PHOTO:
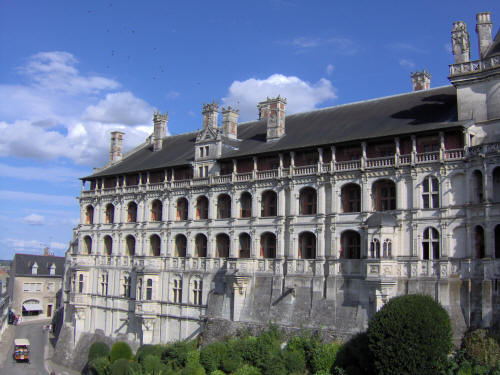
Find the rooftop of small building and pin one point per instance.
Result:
(407, 113)
(23, 263)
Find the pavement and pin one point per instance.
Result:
(40, 353)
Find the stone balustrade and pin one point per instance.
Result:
(339, 166)
(474, 66)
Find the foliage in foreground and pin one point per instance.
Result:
(410, 335)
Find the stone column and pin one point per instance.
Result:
(366, 201)
(255, 245)
(211, 206)
(280, 243)
(320, 246)
(281, 201)
(233, 245)
(321, 198)
(239, 286)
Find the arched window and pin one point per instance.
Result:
(180, 245)
(108, 245)
(126, 286)
(477, 187)
(246, 204)
(156, 210)
(307, 245)
(202, 208)
(479, 242)
(223, 206)
(130, 246)
(149, 290)
(384, 195)
(497, 241)
(307, 201)
(155, 245)
(222, 243)
(132, 212)
(268, 245)
(244, 245)
(387, 248)
(139, 289)
(200, 246)
(182, 209)
(87, 245)
(351, 198)
(80, 283)
(269, 203)
(430, 244)
(89, 215)
(350, 241)
(197, 290)
(375, 248)
(496, 184)
(430, 192)
(177, 289)
(110, 214)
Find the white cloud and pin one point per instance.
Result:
(120, 108)
(34, 219)
(173, 94)
(59, 200)
(407, 63)
(343, 46)
(300, 95)
(32, 246)
(329, 69)
(69, 115)
(56, 71)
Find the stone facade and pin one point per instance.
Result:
(320, 235)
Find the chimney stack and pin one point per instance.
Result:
(159, 129)
(421, 80)
(273, 109)
(230, 122)
(210, 114)
(116, 146)
(483, 29)
(460, 42)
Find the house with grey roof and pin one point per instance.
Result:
(309, 220)
(35, 285)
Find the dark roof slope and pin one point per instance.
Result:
(22, 263)
(494, 48)
(400, 114)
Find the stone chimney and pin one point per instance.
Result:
(210, 114)
(483, 29)
(116, 152)
(273, 109)
(159, 129)
(460, 42)
(230, 122)
(421, 80)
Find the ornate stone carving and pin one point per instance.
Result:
(460, 42)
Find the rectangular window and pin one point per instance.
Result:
(200, 171)
(197, 292)
(38, 287)
(177, 289)
(26, 287)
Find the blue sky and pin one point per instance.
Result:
(72, 71)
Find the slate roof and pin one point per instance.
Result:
(381, 219)
(407, 113)
(494, 48)
(21, 265)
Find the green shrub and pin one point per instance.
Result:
(247, 370)
(355, 357)
(410, 335)
(98, 349)
(247, 348)
(120, 350)
(322, 372)
(145, 350)
(175, 354)
(267, 354)
(295, 361)
(217, 372)
(193, 366)
(324, 356)
(99, 366)
(152, 364)
(211, 356)
(121, 366)
(480, 347)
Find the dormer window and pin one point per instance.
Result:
(52, 269)
(34, 269)
(201, 152)
(206, 150)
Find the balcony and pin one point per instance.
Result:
(475, 66)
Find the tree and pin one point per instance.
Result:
(410, 335)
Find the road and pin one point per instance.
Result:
(38, 338)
